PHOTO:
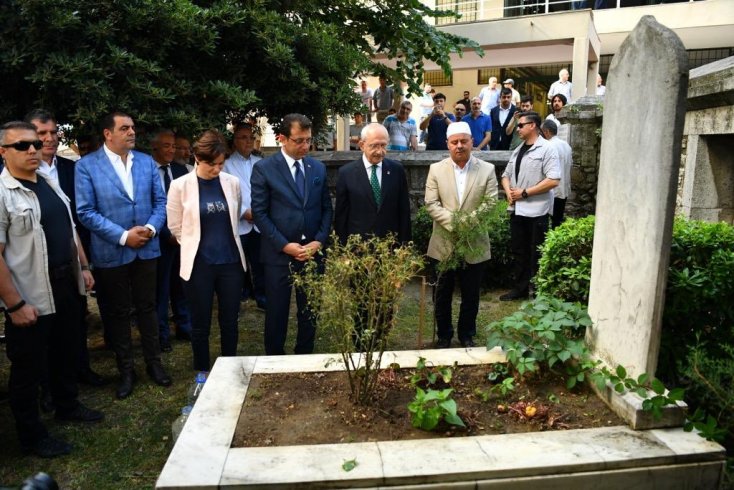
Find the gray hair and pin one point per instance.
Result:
(373, 127)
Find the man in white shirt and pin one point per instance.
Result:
(600, 89)
(565, 159)
(366, 93)
(490, 95)
(240, 165)
(561, 86)
(460, 183)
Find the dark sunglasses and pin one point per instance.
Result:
(24, 145)
(522, 125)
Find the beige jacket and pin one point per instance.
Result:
(184, 221)
(442, 200)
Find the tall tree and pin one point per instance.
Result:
(194, 64)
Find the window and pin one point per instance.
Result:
(437, 78)
(467, 9)
(484, 74)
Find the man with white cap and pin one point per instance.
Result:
(510, 83)
(458, 183)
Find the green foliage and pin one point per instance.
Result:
(191, 65)
(565, 264)
(542, 333)
(467, 229)
(430, 407)
(422, 228)
(355, 300)
(497, 273)
(426, 375)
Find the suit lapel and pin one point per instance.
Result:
(104, 165)
(285, 172)
(450, 181)
(140, 189)
(363, 181)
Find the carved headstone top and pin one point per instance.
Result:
(644, 110)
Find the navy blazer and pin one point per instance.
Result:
(280, 214)
(65, 169)
(357, 212)
(104, 207)
(500, 139)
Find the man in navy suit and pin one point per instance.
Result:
(119, 198)
(292, 209)
(168, 281)
(372, 192)
(501, 115)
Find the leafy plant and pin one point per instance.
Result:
(427, 375)
(431, 406)
(355, 300)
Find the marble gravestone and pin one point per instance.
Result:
(644, 113)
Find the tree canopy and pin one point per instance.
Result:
(193, 64)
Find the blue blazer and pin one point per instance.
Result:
(105, 209)
(280, 214)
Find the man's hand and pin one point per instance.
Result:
(24, 317)
(88, 280)
(138, 236)
(515, 194)
(311, 249)
(248, 215)
(295, 250)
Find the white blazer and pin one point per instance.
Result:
(184, 219)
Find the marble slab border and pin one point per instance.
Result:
(203, 459)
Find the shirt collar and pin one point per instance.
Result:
(288, 159)
(114, 157)
(459, 169)
(368, 164)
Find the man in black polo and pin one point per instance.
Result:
(42, 276)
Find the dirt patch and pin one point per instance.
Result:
(314, 408)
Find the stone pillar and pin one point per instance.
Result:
(584, 118)
(640, 157)
(342, 133)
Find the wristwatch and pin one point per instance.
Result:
(524, 193)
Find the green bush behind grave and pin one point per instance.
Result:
(499, 268)
(699, 296)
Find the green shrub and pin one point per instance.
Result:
(498, 270)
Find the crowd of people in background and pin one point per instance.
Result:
(177, 227)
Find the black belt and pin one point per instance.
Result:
(59, 272)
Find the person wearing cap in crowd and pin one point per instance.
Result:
(461, 182)
(510, 83)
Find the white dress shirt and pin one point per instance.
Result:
(50, 171)
(460, 178)
(241, 167)
(368, 168)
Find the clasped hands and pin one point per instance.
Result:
(300, 252)
(138, 236)
(514, 195)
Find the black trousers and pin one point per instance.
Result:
(527, 235)
(470, 282)
(559, 210)
(251, 246)
(124, 287)
(49, 346)
(170, 289)
(226, 281)
(278, 286)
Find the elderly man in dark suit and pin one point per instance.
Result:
(372, 192)
(292, 209)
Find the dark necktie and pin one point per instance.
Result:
(300, 180)
(376, 191)
(166, 177)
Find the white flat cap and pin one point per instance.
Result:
(458, 128)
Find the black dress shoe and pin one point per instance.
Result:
(125, 388)
(443, 343)
(513, 295)
(467, 343)
(183, 335)
(80, 414)
(48, 447)
(89, 377)
(166, 346)
(157, 374)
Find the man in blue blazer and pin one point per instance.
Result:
(368, 208)
(500, 139)
(120, 200)
(292, 209)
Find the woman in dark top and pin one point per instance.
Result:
(203, 214)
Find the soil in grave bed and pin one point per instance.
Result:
(315, 408)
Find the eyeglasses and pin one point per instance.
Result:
(24, 145)
(300, 141)
(377, 146)
(522, 125)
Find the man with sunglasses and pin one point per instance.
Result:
(42, 277)
(528, 180)
(292, 209)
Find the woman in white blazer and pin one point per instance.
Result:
(203, 214)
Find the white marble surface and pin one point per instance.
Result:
(203, 459)
(638, 177)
